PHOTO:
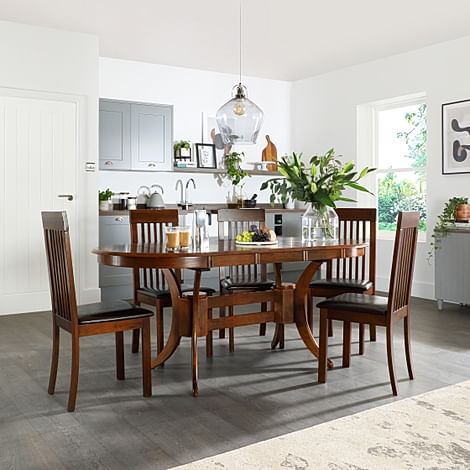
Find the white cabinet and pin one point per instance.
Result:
(452, 268)
(135, 136)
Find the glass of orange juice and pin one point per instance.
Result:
(172, 238)
(185, 237)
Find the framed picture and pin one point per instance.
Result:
(205, 154)
(456, 137)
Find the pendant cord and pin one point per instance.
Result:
(240, 29)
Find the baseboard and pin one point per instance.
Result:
(423, 290)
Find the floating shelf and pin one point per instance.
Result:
(222, 170)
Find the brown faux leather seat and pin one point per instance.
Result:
(356, 303)
(227, 285)
(165, 294)
(110, 311)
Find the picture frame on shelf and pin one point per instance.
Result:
(456, 137)
(206, 157)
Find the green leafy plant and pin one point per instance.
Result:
(105, 195)
(181, 144)
(232, 163)
(445, 221)
(320, 183)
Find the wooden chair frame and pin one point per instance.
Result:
(65, 312)
(397, 308)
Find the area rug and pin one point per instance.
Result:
(429, 431)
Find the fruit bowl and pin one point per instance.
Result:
(256, 236)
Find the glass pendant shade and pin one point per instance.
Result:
(239, 120)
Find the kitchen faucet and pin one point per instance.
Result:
(186, 193)
(182, 201)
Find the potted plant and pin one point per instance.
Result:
(104, 197)
(236, 174)
(320, 184)
(446, 220)
(182, 149)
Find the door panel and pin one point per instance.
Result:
(115, 144)
(38, 155)
(151, 137)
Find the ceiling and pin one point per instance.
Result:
(287, 40)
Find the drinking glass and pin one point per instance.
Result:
(172, 238)
(185, 237)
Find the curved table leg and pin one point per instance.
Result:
(195, 316)
(174, 337)
(300, 309)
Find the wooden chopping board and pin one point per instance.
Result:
(270, 155)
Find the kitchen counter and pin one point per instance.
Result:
(212, 208)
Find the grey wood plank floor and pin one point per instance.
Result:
(246, 397)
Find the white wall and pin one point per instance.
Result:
(324, 115)
(34, 58)
(193, 92)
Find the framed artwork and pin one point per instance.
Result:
(205, 154)
(456, 137)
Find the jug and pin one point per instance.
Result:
(156, 199)
(202, 220)
(143, 194)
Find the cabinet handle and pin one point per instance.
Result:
(108, 162)
(119, 219)
(151, 164)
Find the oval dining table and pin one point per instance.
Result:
(191, 312)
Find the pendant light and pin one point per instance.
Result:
(239, 119)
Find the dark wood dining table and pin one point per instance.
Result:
(192, 312)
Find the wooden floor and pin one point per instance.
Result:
(245, 397)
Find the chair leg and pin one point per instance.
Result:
(409, 362)
(74, 372)
(146, 359)
(160, 327)
(322, 361)
(262, 326)
(330, 328)
(310, 312)
(346, 343)
(135, 341)
(372, 333)
(209, 338)
(231, 333)
(361, 338)
(391, 370)
(222, 330)
(55, 359)
(120, 374)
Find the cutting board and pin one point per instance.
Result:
(270, 155)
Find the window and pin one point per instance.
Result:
(400, 156)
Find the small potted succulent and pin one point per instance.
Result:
(320, 184)
(236, 174)
(182, 149)
(104, 198)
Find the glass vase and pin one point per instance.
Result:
(319, 224)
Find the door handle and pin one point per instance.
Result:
(69, 197)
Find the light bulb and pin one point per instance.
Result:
(239, 108)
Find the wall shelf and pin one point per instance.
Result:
(203, 171)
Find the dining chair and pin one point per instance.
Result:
(353, 275)
(374, 310)
(150, 288)
(86, 320)
(241, 277)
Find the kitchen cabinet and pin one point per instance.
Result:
(452, 268)
(135, 136)
(115, 283)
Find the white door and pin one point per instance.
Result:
(38, 164)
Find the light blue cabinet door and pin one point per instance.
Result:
(114, 135)
(151, 137)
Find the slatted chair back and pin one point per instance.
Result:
(148, 226)
(356, 225)
(60, 267)
(232, 222)
(404, 253)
